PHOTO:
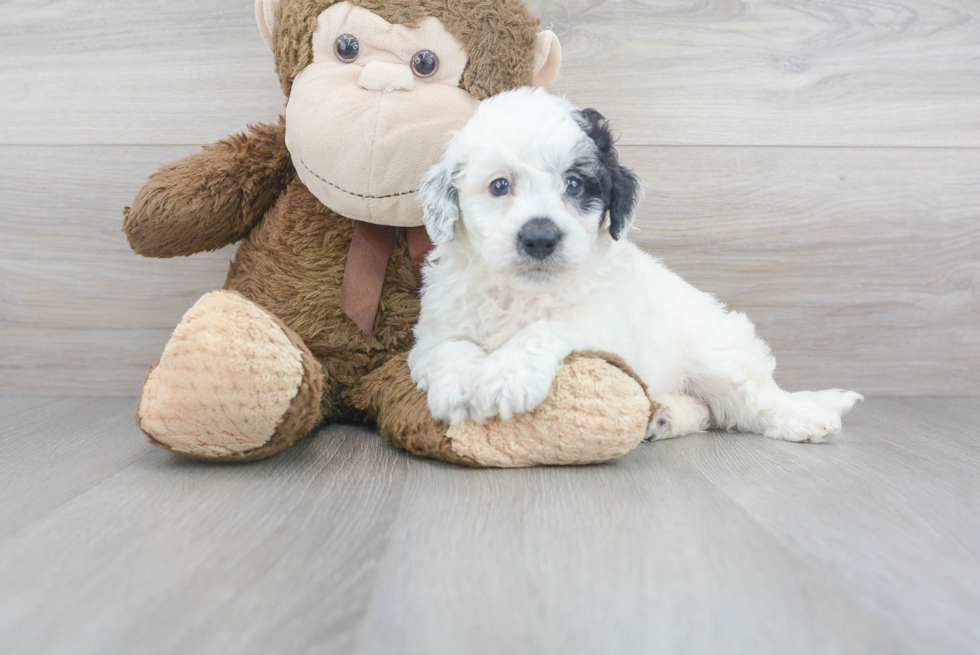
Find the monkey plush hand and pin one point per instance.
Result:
(316, 316)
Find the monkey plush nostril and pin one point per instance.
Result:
(382, 76)
(539, 238)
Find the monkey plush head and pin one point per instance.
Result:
(374, 86)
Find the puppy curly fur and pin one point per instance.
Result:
(527, 269)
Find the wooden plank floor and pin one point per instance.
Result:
(715, 543)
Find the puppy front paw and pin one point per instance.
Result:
(449, 395)
(445, 373)
(510, 383)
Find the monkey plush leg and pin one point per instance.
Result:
(233, 384)
(597, 410)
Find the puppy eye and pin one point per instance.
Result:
(425, 63)
(573, 187)
(348, 48)
(500, 187)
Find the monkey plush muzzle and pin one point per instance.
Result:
(364, 123)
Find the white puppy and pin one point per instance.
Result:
(528, 209)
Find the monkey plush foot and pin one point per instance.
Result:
(597, 410)
(233, 384)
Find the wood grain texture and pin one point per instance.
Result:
(640, 557)
(762, 72)
(904, 478)
(705, 544)
(169, 555)
(114, 72)
(79, 312)
(722, 72)
(60, 451)
(65, 261)
(861, 267)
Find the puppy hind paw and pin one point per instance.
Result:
(842, 401)
(678, 415)
(813, 424)
(836, 399)
(660, 425)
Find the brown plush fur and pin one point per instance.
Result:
(293, 263)
(213, 198)
(402, 415)
(497, 35)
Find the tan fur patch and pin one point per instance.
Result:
(596, 412)
(225, 381)
(292, 264)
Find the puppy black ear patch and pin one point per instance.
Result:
(622, 205)
(440, 204)
(623, 184)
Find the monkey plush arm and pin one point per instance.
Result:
(213, 198)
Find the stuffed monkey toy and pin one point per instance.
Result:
(315, 319)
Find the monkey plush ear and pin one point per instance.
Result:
(265, 16)
(547, 59)
(440, 204)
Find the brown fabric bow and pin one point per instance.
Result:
(367, 260)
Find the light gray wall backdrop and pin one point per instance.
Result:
(815, 164)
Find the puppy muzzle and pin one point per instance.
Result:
(539, 238)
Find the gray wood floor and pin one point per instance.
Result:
(715, 543)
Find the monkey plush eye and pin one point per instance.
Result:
(425, 63)
(348, 48)
(500, 187)
(573, 186)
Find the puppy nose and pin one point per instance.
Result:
(382, 76)
(539, 237)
